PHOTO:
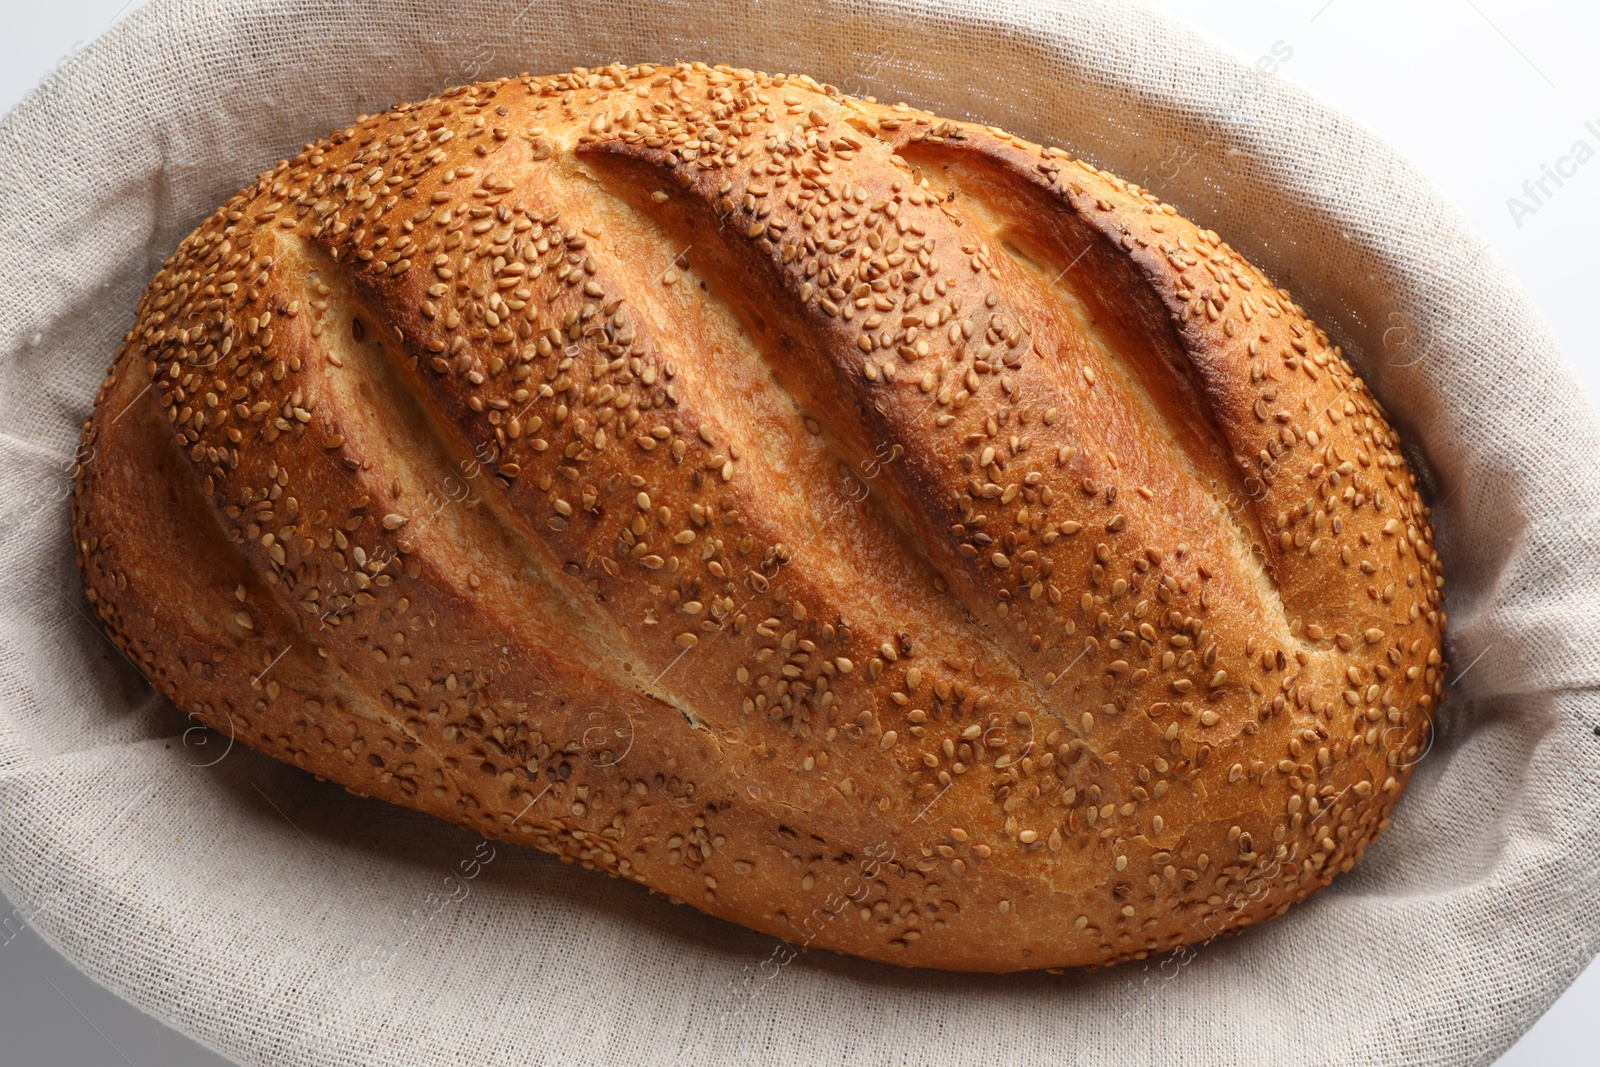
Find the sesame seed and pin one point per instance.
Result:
(534, 347)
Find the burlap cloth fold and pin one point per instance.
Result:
(282, 921)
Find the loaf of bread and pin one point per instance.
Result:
(870, 528)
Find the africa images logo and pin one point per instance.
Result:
(1537, 191)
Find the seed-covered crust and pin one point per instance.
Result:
(873, 529)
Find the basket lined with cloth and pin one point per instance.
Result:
(281, 921)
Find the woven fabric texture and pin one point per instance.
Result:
(282, 921)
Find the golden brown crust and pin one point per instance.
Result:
(873, 529)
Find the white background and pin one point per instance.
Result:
(1483, 95)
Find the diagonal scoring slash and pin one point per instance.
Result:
(1062, 273)
(720, 631)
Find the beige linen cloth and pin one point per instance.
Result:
(283, 921)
